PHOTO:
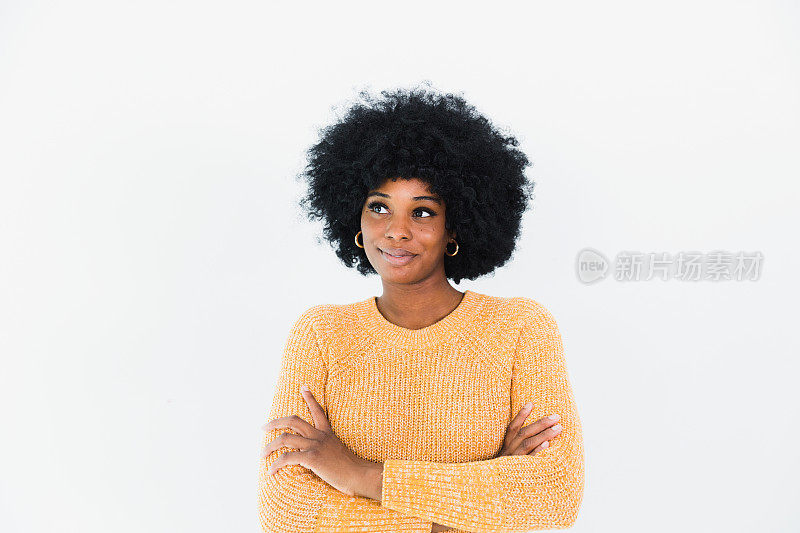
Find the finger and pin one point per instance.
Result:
(288, 458)
(294, 422)
(317, 412)
(536, 440)
(532, 430)
(518, 420)
(554, 431)
(540, 447)
(289, 440)
(538, 426)
(526, 446)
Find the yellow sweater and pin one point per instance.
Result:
(433, 405)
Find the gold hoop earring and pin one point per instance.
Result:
(454, 253)
(362, 240)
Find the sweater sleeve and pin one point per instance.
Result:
(508, 493)
(295, 499)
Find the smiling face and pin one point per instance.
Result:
(404, 218)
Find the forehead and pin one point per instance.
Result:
(404, 187)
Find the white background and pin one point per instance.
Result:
(154, 257)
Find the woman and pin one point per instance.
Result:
(427, 409)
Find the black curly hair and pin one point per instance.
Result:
(438, 138)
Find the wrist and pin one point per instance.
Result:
(371, 485)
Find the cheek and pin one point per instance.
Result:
(432, 235)
(368, 224)
(433, 242)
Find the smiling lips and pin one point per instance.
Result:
(400, 257)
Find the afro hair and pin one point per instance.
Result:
(443, 141)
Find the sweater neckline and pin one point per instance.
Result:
(380, 327)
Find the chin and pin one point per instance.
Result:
(399, 276)
(396, 277)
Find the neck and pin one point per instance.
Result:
(419, 305)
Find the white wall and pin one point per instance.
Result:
(153, 257)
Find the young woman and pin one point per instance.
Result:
(426, 409)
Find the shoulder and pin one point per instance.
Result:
(507, 317)
(529, 313)
(520, 308)
(310, 319)
(327, 319)
(313, 313)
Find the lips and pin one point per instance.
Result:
(397, 252)
(399, 260)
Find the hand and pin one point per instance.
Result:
(436, 528)
(532, 438)
(320, 449)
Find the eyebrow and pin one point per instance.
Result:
(432, 198)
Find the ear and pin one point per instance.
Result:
(450, 232)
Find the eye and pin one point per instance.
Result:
(374, 205)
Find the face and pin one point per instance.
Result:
(403, 217)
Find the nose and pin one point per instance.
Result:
(397, 229)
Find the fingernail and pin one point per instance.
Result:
(556, 428)
(528, 405)
(554, 417)
(303, 388)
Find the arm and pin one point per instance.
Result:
(508, 493)
(295, 499)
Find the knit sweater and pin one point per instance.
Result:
(433, 406)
